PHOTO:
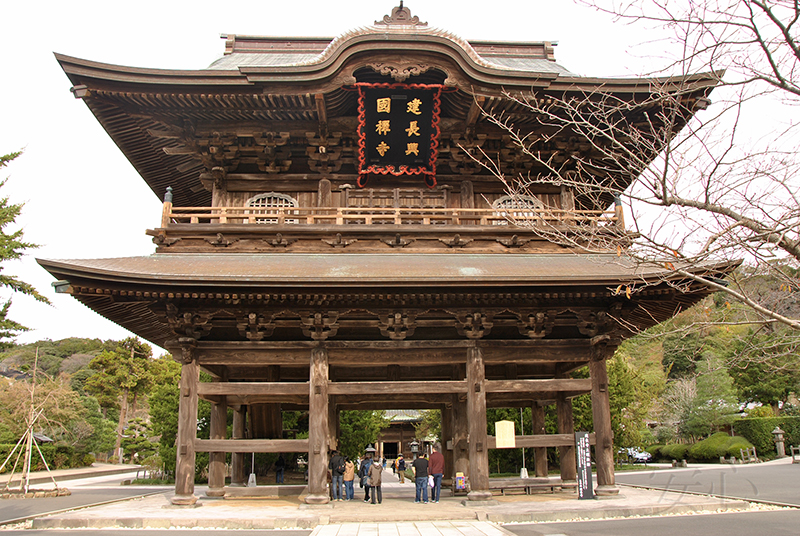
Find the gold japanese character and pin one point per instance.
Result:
(383, 127)
(413, 129)
(384, 105)
(382, 148)
(413, 107)
(412, 148)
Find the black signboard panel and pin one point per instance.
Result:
(398, 130)
(583, 451)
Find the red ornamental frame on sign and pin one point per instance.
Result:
(364, 170)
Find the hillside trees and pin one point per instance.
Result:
(121, 377)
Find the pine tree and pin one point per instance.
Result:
(12, 247)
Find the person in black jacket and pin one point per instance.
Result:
(363, 475)
(336, 466)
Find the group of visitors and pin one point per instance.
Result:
(343, 471)
(427, 472)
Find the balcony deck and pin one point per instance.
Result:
(388, 215)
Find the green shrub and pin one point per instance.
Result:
(736, 445)
(655, 451)
(711, 448)
(718, 445)
(88, 459)
(674, 451)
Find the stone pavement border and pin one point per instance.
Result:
(398, 507)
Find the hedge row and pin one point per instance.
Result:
(758, 431)
(709, 449)
(57, 456)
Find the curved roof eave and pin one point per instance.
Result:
(343, 270)
(80, 71)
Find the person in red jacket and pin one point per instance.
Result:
(436, 470)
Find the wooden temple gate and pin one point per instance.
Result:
(296, 285)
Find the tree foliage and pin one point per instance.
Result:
(359, 429)
(12, 247)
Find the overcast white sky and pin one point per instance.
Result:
(84, 200)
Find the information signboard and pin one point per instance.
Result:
(583, 451)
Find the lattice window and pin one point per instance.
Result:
(518, 207)
(272, 200)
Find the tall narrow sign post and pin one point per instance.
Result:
(583, 452)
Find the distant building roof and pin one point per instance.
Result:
(403, 415)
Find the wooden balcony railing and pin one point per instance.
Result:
(396, 216)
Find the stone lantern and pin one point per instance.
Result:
(777, 437)
(414, 449)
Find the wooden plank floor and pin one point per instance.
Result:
(419, 528)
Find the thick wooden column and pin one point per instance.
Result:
(539, 453)
(566, 425)
(333, 424)
(187, 427)
(447, 439)
(476, 411)
(601, 414)
(318, 428)
(216, 460)
(237, 458)
(460, 436)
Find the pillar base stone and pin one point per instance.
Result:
(215, 492)
(184, 500)
(480, 496)
(606, 491)
(317, 499)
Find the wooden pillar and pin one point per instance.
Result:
(476, 411)
(216, 460)
(566, 455)
(266, 420)
(237, 458)
(333, 424)
(460, 436)
(187, 427)
(447, 439)
(318, 428)
(539, 453)
(601, 415)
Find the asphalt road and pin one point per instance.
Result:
(13, 509)
(775, 523)
(773, 483)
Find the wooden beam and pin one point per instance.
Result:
(473, 114)
(322, 114)
(539, 386)
(541, 441)
(251, 445)
(402, 388)
(254, 388)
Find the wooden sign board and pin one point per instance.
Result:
(504, 435)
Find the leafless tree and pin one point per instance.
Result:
(701, 182)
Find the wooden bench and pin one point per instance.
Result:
(749, 455)
(528, 485)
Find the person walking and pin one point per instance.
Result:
(436, 470)
(336, 466)
(375, 474)
(420, 468)
(347, 478)
(400, 465)
(363, 475)
(280, 466)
